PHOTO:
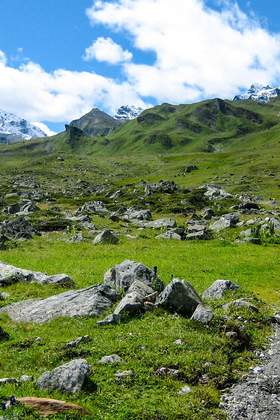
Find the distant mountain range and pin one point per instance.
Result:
(14, 129)
(259, 93)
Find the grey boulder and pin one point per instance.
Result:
(218, 289)
(133, 302)
(91, 301)
(69, 377)
(106, 237)
(134, 214)
(123, 275)
(180, 297)
(113, 359)
(226, 221)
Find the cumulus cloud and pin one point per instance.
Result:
(3, 58)
(200, 52)
(106, 50)
(62, 95)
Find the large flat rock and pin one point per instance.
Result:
(91, 301)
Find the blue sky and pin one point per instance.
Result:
(54, 34)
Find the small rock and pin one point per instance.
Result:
(240, 303)
(122, 376)
(167, 371)
(113, 359)
(75, 343)
(111, 319)
(218, 289)
(6, 381)
(185, 390)
(26, 378)
(203, 314)
(106, 237)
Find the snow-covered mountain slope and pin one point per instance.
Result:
(128, 112)
(259, 93)
(13, 129)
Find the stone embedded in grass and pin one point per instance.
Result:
(169, 235)
(111, 319)
(80, 340)
(113, 359)
(91, 301)
(4, 296)
(134, 214)
(179, 297)
(161, 223)
(106, 237)
(18, 228)
(8, 381)
(25, 378)
(70, 377)
(93, 207)
(10, 275)
(240, 304)
(203, 314)
(225, 222)
(133, 302)
(185, 390)
(124, 375)
(123, 275)
(218, 289)
(165, 371)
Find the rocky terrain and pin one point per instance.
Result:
(143, 285)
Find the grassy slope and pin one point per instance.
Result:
(244, 163)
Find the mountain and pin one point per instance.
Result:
(258, 93)
(128, 112)
(14, 129)
(95, 123)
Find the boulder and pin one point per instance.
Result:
(215, 192)
(203, 314)
(124, 375)
(75, 343)
(134, 214)
(10, 275)
(91, 301)
(93, 207)
(225, 222)
(197, 231)
(161, 223)
(208, 213)
(18, 228)
(69, 377)
(218, 289)
(180, 297)
(123, 275)
(166, 187)
(106, 237)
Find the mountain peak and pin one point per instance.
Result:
(14, 128)
(259, 93)
(128, 112)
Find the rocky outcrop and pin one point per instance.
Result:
(18, 228)
(225, 222)
(91, 301)
(69, 377)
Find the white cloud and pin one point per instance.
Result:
(3, 58)
(105, 49)
(44, 128)
(62, 95)
(199, 52)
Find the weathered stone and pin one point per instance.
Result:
(225, 222)
(185, 390)
(169, 235)
(124, 376)
(93, 207)
(215, 192)
(134, 214)
(180, 297)
(240, 304)
(161, 223)
(167, 371)
(208, 213)
(10, 275)
(133, 302)
(7, 381)
(91, 301)
(218, 289)
(106, 237)
(75, 343)
(111, 319)
(166, 187)
(123, 275)
(18, 228)
(113, 359)
(203, 314)
(69, 377)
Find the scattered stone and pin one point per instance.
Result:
(10, 275)
(208, 213)
(226, 221)
(167, 371)
(7, 381)
(80, 340)
(180, 297)
(69, 377)
(133, 302)
(124, 375)
(179, 342)
(166, 187)
(214, 192)
(106, 237)
(18, 228)
(218, 289)
(185, 390)
(91, 301)
(93, 207)
(111, 319)
(169, 235)
(240, 304)
(113, 359)
(48, 407)
(203, 314)
(134, 214)
(197, 231)
(25, 378)
(161, 223)
(4, 296)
